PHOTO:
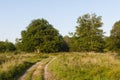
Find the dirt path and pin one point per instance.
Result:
(38, 71)
(46, 73)
(33, 67)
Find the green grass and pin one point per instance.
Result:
(13, 66)
(85, 66)
(66, 66)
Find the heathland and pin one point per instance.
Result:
(65, 66)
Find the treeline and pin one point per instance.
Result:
(6, 46)
(41, 36)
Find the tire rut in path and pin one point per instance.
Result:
(32, 67)
(43, 64)
(46, 73)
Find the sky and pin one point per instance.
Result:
(16, 15)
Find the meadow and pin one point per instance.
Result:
(85, 66)
(12, 66)
(65, 66)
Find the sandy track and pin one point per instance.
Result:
(34, 66)
(46, 73)
(43, 64)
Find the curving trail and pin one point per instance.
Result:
(38, 71)
(46, 73)
(29, 70)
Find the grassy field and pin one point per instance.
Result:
(66, 66)
(85, 66)
(13, 66)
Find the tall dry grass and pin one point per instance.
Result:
(13, 66)
(85, 66)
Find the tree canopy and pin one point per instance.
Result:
(113, 42)
(40, 36)
(89, 36)
(7, 46)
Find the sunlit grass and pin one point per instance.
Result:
(85, 66)
(13, 66)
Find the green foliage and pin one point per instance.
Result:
(89, 36)
(71, 42)
(40, 36)
(7, 46)
(19, 45)
(2, 46)
(113, 42)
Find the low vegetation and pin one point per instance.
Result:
(85, 66)
(13, 66)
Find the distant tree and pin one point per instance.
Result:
(40, 36)
(71, 42)
(19, 45)
(9, 46)
(88, 33)
(2, 46)
(113, 42)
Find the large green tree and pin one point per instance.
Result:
(40, 36)
(113, 42)
(89, 33)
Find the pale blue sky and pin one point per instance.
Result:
(15, 15)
